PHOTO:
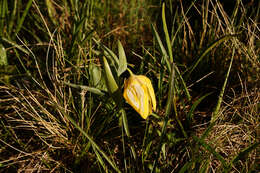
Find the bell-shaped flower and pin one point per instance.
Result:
(139, 93)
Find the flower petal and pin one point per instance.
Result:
(140, 95)
(147, 82)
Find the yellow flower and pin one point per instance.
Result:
(139, 93)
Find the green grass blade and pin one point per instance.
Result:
(245, 152)
(3, 57)
(169, 108)
(125, 122)
(169, 46)
(213, 45)
(215, 113)
(127, 131)
(122, 59)
(99, 158)
(76, 34)
(162, 49)
(87, 88)
(211, 150)
(15, 45)
(18, 55)
(182, 22)
(183, 83)
(167, 37)
(3, 10)
(109, 53)
(194, 106)
(12, 18)
(110, 80)
(51, 11)
(21, 20)
(90, 140)
(242, 155)
(186, 167)
(123, 144)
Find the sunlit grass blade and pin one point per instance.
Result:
(220, 98)
(213, 45)
(194, 106)
(169, 46)
(51, 11)
(99, 158)
(183, 83)
(110, 80)
(87, 88)
(21, 20)
(167, 37)
(3, 57)
(162, 49)
(122, 59)
(15, 45)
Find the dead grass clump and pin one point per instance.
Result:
(236, 129)
(30, 133)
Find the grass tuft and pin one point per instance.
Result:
(62, 70)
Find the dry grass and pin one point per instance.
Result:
(236, 129)
(36, 134)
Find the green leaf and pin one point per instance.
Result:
(164, 150)
(3, 57)
(125, 122)
(122, 59)
(109, 53)
(111, 83)
(112, 56)
(95, 74)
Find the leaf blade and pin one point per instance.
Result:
(122, 59)
(3, 57)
